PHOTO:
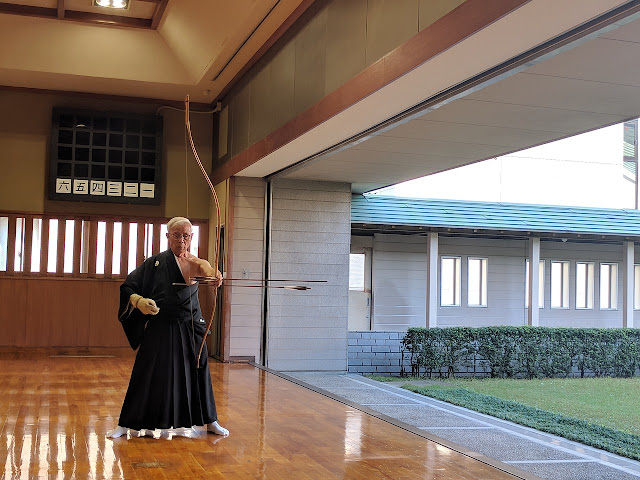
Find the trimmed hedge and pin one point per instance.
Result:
(522, 352)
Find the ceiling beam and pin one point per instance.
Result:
(158, 13)
(72, 15)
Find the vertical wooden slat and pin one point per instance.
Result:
(93, 247)
(203, 240)
(44, 246)
(11, 244)
(28, 239)
(77, 246)
(108, 250)
(156, 238)
(124, 250)
(141, 242)
(62, 230)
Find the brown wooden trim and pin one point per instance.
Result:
(44, 247)
(28, 244)
(11, 244)
(140, 243)
(62, 230)
(124, 250)
(77, 215)
(158, 13)
(61, 9)
(203, 241)
(155, 241)
(461, 22)
(225, 321)
(77, 246)
(93, 247)
(102, 96)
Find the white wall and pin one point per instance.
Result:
(310, 237)
(399, 273)
(399, 282)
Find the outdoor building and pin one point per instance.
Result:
(441, 263)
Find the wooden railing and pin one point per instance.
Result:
(86, 246)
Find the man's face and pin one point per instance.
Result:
(179, 238)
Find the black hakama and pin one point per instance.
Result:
(166, 389)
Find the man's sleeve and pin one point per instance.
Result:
(132, 320)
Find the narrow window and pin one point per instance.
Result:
(450, 281)
(133, 250)
(540, 284)
(117, 248)
(36, 244)
(4, 238)
(68, 246)
(52, 258)
(356, 271)
(477, 282)
(164, 241)
(148, 244)
(101, 248)
(195, 240)
(584, 285)
(559, 284)
(19, 256)
(608, 286)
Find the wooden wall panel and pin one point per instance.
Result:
(12, 319)
(103, 326)
(46, 312)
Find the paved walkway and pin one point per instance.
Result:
(540, 454)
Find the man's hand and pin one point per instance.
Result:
(204, 267)
(146, 305)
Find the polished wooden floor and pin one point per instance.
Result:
(56, 408)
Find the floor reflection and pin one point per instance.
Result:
(56, 412)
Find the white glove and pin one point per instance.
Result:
(146, 305)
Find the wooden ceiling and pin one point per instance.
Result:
(156, 49)
(140, 14)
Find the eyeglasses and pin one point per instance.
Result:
(185, 236)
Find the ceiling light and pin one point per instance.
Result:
(121, 4)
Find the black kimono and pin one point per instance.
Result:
(166, 389)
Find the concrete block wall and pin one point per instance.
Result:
(376, 353)
(310, 237)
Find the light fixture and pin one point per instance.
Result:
(119, 4)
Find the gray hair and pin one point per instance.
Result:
(175, 221)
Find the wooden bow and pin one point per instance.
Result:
(187, 124)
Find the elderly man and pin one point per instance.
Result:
(167, 389)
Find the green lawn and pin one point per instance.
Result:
(609, 402)
(603, 412)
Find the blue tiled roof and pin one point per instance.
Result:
(493, 216)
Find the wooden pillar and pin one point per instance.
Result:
(533, 313)
(432, 280)
(627, 284)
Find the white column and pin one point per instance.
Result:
(432, 280)
(533, 313)
(627, 284)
